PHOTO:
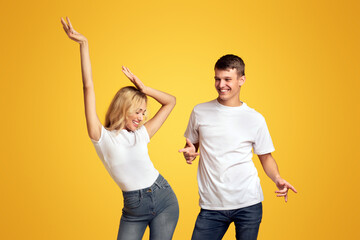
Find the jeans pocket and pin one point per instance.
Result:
(208, 213)
(165, 184)
(162, 185)
(131, 202)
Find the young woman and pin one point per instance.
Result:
(122, 146)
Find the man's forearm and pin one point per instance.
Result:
(270, 167)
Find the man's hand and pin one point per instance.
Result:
(189, 152)
(284, 187)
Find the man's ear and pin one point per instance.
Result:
(241, 80)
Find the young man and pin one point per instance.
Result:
(226, 130)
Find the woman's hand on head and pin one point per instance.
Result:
(70, 31)
(134, 79)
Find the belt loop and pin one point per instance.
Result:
(157, 184)
(140, 193)
(159, 181)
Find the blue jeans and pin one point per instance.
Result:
(155, 206)
(212, 224)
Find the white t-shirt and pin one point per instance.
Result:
(227, 177)
(125, 156)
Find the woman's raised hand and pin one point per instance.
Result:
(70, 31)
(166, 100)
(134, 79)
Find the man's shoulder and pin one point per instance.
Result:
(205, 105)
(253, 113)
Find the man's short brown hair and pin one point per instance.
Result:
(231, 61)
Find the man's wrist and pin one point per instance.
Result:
(277, 179)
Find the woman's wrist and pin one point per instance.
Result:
(83, 42)
(144, 89)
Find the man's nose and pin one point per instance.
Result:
(222, 83)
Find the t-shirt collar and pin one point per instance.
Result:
(221, 106)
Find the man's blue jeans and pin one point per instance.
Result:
(212, 224)
(155, 206)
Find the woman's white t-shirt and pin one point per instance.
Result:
(227, 177)
(125, 156)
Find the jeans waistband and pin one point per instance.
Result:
(157, 184)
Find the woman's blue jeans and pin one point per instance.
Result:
(212, 224)
(155, 206)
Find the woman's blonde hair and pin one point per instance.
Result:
(125, 102)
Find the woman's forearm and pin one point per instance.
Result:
(86, 64)
(162, 97)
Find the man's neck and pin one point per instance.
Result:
(231, 102)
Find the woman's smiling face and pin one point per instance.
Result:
(133, 121)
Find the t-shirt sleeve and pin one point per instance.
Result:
(263, 143)
(100, 143)
(192, 131)
(143, 133)
(103, 130)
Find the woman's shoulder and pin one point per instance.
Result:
(143, 133)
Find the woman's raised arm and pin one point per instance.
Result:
(92, 121)
(166, 100)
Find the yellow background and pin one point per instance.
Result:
(302, 68)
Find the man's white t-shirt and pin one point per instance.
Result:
(227, 177)
(126, 158)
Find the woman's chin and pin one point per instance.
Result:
(132, 128)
